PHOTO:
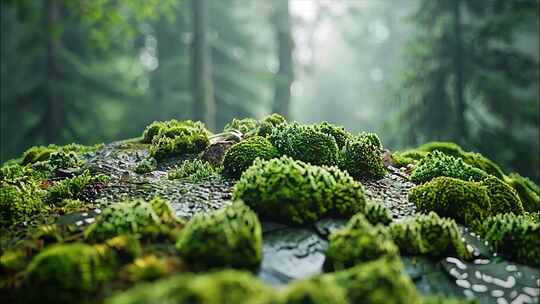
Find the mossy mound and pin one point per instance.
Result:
(230, 237)
(291, 191)
(228, 286)
(270, 123)
(146, 165)
(528, 191)
(135, 217)
(71, 188)
(246, 126)
(241, 155)
(175, 138)
(194, 170)
(429, 235)
(515, 236)
(71, 267)
(376, 213)
(305, 143)
(466, 202)
(339, 133)
(362, 157)
(436, 164)
(502, 197)
(314, 292)
(42, 153)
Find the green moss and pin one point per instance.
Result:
(290, 191)
(437, 164)
(361, 158)
(503, 198)
(515, 236)
(428, 235)
(146, 268)
(64, 160)
(337, 132)
(174, 138)
(71, 188)
(230, 237)
(376, 213)
(244, 125)
(381, 281)
(528, 191)
(146, 165)
(126, 247)
(163, 210)
(398, 160)
(13, 259)
(447, 148)
(42, 153)
(135, 217)
(466, 202)
(314, 292)
(305, 143)
(372, 138)
(440, 299)
(70, 267)
(228, 286)
(241, 155)
(194, 170)
(269, 124)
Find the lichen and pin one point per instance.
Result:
(361, 157)
(290, 191)
(437, 164)
(175, 138)
(515, 236)
(502, 197)
(194, 170)
(146, 165)
(314, 291)
(230, 237)
(241, 155)
(528, 191)
(466, 202)
(305, 143)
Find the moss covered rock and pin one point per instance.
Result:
(466, 202)
(43, 153)
(314, 291)
(362, 157)
(270, 123)
(230, 237)
(437, 164)
(528, 191)
(339, 133)
(174, 138)
(515, 236)
(241, 155)
(290, 191)
(376, 213)
(305, 143)
(502, 197)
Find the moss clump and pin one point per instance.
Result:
(72, 188)
(71, 268)
(241, 155)
(64, 160)
(136, 217)
(314, 291)
(174, 138)
(362, 158)
(305, 143)
(447, 148)
(146, 268)
(42, 153)
(20, 194)
(515, 236)
(407, 157)
(146, 165)
(437, 163)
(528, 191)
(246, 126)
(126, 247)
(290, 191)
(230, 237)
(372, 138)
(381, 281)
(439, 299)
(270, 123)
(194, 170)
(376, 213)
(503, 198)
(228, 286)
(428, 235)
(338, 133)
(466, 202)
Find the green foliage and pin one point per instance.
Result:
(466, 202)
(305, 143)
(173, 138)
(228, 286)
(339, 133)
(244, 125)
(73, 268)
(194, 170)
(515, 236)
(146, 165)
(63, 160)
(38, 153)
(430, 235)
(437, 163)
(241, 155)
(502, 197)
(291, 191)
(135, 217)
(58, 155)
(376, 213)
(314, 291)
(528, 191)
(71, 188)
(230, 237)
(270, 123)
(362, 157)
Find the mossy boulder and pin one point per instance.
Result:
(305, 143)
(362, 157)
(376, 213)
(230, 237)
(175, 138)
(437, 164)
(241, 155)
(465, 201)
(291, 191)
(314, 291)
(502, 197)
(515, 236)
(339, 133)
(528, 191)
(270, 123)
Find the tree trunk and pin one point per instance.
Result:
(285, 75)
(461, 128)
(202, 86)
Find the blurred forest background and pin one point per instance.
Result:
(410, 70)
